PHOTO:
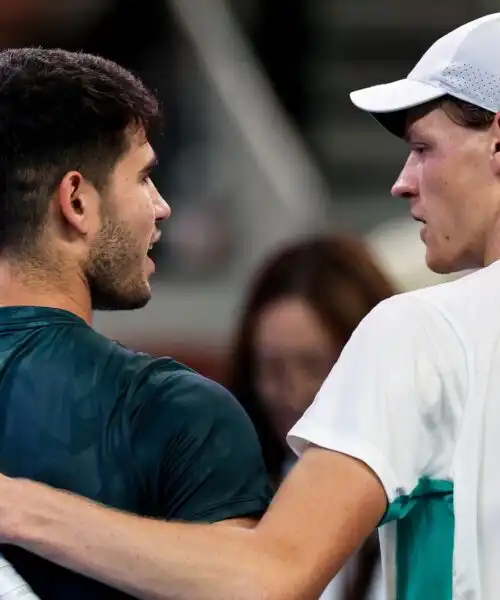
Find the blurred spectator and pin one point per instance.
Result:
(301, 309)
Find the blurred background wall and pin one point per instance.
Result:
(261, 144)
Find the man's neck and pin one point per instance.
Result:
(492, 246)
(27, 287)
(492, 255)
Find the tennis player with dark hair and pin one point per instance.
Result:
(78, 216)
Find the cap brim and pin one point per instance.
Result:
(389, 102)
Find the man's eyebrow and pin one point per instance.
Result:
(410, 134)
(149, 166)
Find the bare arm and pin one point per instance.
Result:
(324, 510)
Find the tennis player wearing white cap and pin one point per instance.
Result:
(406, 429)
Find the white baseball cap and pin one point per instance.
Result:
(464, 63)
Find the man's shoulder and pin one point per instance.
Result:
(462, 305)
(442, 301)
(404, 312)
(409, 322)
(169, 390)
(87, 346)
(155, 392)
(194, 442)
(153, 383)
(94, 357)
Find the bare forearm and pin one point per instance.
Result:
(311, 528)
(149, 559)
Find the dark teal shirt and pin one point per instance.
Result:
(145, 435)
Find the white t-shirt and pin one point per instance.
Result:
(416, 396)
(12, 587)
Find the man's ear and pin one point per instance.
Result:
(78, 202)
(495, 144)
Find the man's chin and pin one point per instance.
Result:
(440, 265)
(121, 302)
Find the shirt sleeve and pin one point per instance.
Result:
(391, 399)
(209, 466)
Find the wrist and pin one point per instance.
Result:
(14, 498)
(24, 510)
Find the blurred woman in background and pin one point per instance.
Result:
(302, 307)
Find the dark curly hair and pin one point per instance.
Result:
(60, 111)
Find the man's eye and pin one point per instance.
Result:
(419, 148)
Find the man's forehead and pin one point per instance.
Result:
(422, 121)
(140, 149)
(137, 137)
